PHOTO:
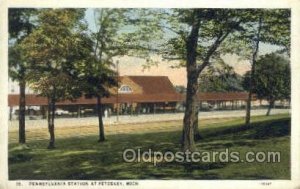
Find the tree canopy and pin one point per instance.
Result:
(272, 78)
(220, 77)
(21, 24)
(55, 49)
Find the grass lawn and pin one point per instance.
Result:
(82, 158)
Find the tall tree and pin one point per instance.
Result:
(55, 51)
(262, 26)
(271, 80)
(21, 23)
(119, 32)
(256, 40)
(197, 35)
(98, 82)
(98, 76)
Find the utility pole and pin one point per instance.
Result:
(118, 91)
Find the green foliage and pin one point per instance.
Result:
(180, 89)
(120, 32)
(220, 83)
(17, 68)
(97, 75)
(97, 82)
(275, 30)
(54, 50)
(220, 77)
(272, 78)
(215, 26)
(21, 23)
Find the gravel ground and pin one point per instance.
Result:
(88, 121)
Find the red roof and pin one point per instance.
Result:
(154, 84)
(32, 100)
(154, 89)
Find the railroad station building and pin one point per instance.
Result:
(135, 95)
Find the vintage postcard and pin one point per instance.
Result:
(140, 94)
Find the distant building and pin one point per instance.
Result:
(135, 95)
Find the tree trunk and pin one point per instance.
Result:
(248, 105)
(22, 105)
(101, 126)
(254, 56)
(51, 116)
(197, 135)
(190, 121)
(271, 105)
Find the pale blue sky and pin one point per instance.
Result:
(89, 16)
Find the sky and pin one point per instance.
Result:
(134, 66)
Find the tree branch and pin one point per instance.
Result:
(220, 38)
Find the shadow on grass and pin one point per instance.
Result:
(240, 135)
(85, 159)
(19, 158)
(258, 130)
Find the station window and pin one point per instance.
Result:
(125, 89)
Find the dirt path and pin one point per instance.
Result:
(127, 119)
